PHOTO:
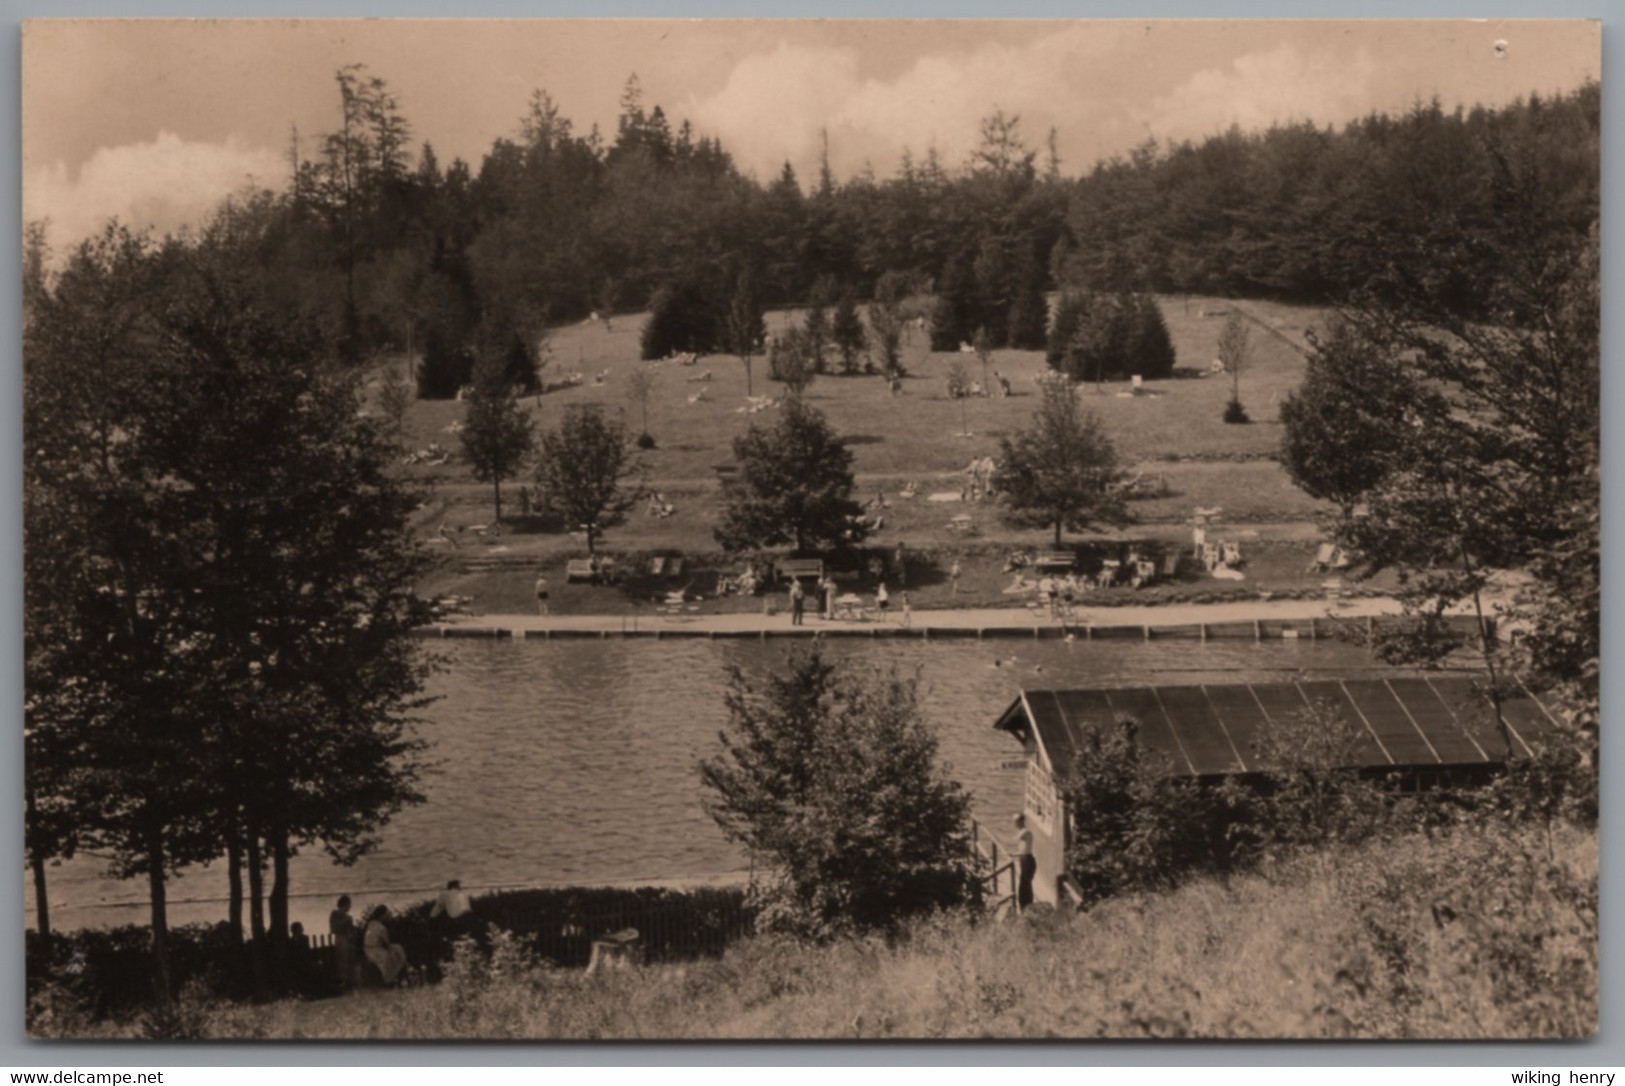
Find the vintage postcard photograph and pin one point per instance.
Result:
(806, 530)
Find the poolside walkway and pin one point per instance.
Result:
(1268, 617)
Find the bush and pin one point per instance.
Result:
(1235, 413)
(79, 978)
(109, 971)
(646, 441)
(1135, 827)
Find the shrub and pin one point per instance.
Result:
(82, 977)
(1135, 827)
(646, 441)
(1313, 794)
(1235, 413)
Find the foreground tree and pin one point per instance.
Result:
(497, 433)
(1339, 424)
(795, 478)
(581, 476)
(230, 664)
(1062, 472)
(832, 780)
(1488, 455)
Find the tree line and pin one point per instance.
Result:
(386, 248)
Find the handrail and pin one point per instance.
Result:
(999, 860)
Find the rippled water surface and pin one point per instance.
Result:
(573, 761)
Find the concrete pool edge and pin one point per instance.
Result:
(1254, 620)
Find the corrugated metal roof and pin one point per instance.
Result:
(1412, 722)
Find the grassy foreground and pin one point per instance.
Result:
(1480, 933)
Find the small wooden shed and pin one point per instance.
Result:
(1428, 729)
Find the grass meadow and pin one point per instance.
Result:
(1478, 933)
(1172, 431)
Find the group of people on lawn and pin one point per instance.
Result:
(826, 590)
(366, 954)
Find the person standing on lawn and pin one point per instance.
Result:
(798, 601)
(953, 577)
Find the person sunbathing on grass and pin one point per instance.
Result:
(1020, 585)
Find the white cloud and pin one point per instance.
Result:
(1257, 89)
(773, 105)
(164, 184)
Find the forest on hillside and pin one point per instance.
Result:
(384, 245)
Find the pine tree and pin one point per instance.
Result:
(832, 779)
(1029, 311)
(953, 318)
(848, 332)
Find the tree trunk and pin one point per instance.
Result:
(496, 491)
(1489, 656)
(1057, 533)
(750, 389)
(278, 843)
(234, 882)
(42, 906)
(162, 989)
(256, 911)
(36, 862)
(590, 537)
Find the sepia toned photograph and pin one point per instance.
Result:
(554, 530)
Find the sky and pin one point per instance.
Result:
(154, 121)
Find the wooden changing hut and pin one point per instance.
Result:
(1427, 729)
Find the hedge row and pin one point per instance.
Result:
(110, 970)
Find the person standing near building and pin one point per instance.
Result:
(798, 601)
(1026, 863)
(541, 595)
(882, 600)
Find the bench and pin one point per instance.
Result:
(1053, 560)
(794, 569)
(581, 569)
